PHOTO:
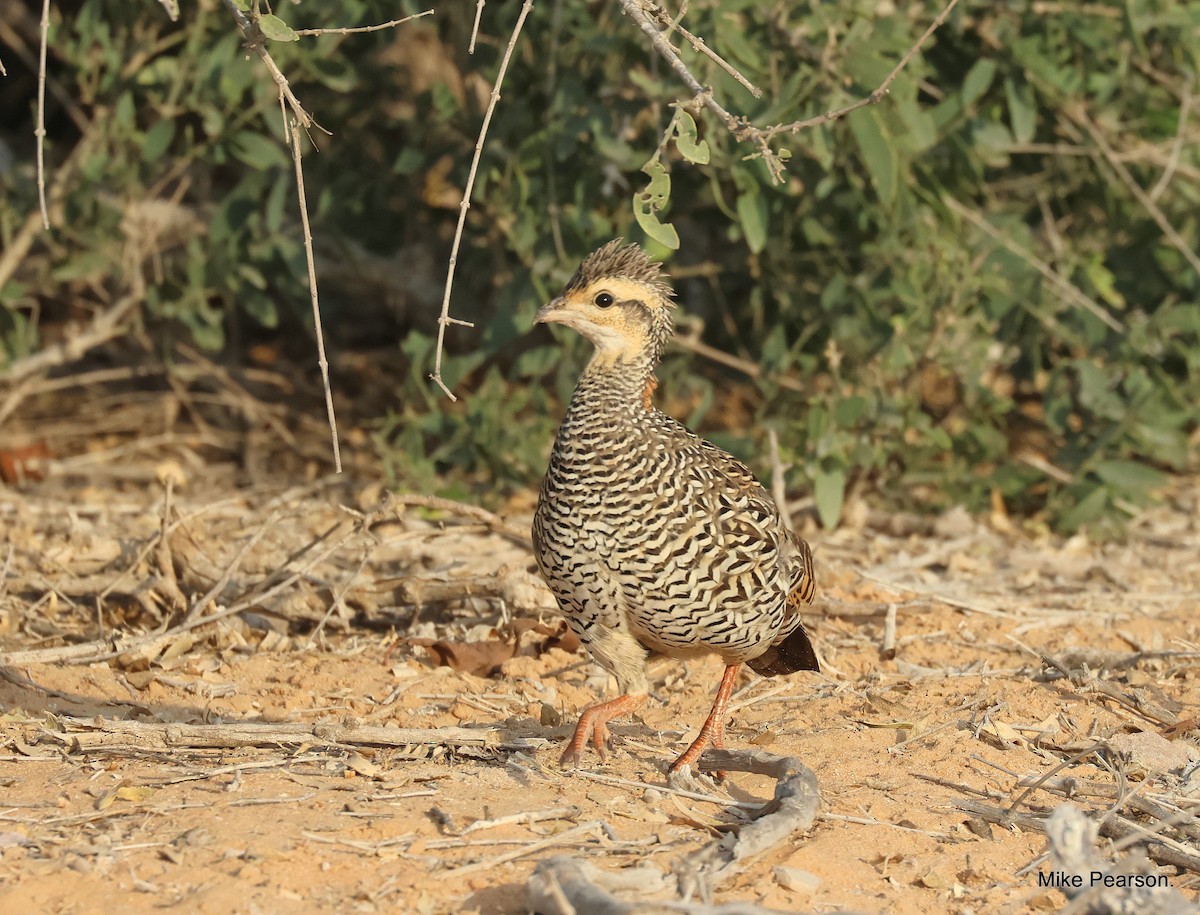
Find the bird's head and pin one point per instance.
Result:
(620, 301)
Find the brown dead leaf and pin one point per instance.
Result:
(1179, 728)
(24, 465)
(556, 636)
(485, 658)
(479, 658)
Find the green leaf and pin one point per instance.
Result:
(878, 154)
(978, 80)
(157, 139)
(752, 214)
(1130, 475)
(1022, 110)
(829, 491)
(258, 151)
(694, 151)
(650, 201)
(276, 29)
(1089, 508)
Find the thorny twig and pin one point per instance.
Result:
(740, 127)
(444, 319)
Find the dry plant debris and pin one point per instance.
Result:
(222, 698)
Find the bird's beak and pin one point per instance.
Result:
(549, 313)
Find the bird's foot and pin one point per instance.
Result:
(712, 735)
(593, 727)
(693, 754)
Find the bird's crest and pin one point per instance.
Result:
(622, 261)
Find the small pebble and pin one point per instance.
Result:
(795, 880)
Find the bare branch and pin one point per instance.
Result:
(391, 24)
(1071, 291)
(739, 126)
(256, 43)
(444, 319)
(312, 291)
(40, 131)
(698, 45)
(475, 28)
(1080, 117)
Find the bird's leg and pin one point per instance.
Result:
(593, 723)
(713, 732)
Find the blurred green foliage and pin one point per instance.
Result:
(974, 301)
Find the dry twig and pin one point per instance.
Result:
(40, 132)
(444, 319)
(1072, 292)
(1072, 839)
(322, 362)
(565, 886)
(1080, 117)
(742, 130)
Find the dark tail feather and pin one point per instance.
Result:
(792, 654)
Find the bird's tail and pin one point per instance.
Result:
(792, 654)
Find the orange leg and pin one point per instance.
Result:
(713, 732)
(593, 723)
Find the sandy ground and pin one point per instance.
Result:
(1015, 654)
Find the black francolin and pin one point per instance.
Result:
(651, 538)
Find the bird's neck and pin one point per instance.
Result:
(616, 385)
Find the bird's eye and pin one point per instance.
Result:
(604, 299)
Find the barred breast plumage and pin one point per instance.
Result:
(649, 536)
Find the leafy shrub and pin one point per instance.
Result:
(966, 279)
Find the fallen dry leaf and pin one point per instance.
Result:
(485, 658)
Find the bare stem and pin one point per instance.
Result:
(444, 319)
(1069, 289)
(475, 28)
(40, 132)
(741, 128)
(256, 43)
(312, 291)
(1079, 116)
(391, 24)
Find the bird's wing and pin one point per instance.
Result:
(761, 519)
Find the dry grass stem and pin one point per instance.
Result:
(519, 535)
(92, 734)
